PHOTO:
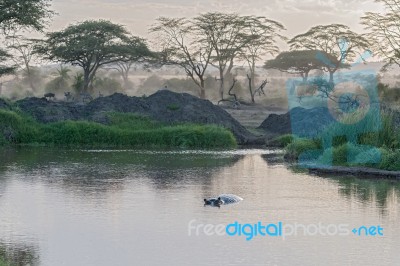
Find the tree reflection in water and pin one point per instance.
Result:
(18, 254)
(367, 191)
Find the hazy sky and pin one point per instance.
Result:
(138, 15)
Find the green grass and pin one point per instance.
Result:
(349, 154)
(3, 263)
(284, 140)
(173, 107)
(298, 146)
(123, 130)
(390, 159)
(343, 152)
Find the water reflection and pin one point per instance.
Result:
(274, 158)
(382, 193)
(90, 171)
(89, 207)
(18, 254)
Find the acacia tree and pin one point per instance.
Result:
(301, 62)
(137, 52)
(28, 14)
(264, 34)
(21, 14)
(227, 36)
(181, 49)
(384, 31)
(23, 51)
(89, 45)
(5, 69)
(336, 40)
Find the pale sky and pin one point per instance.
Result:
(138, 15)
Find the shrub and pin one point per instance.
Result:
(173, 107)
(285, 140)
(300, 146)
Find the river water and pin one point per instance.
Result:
(102, 207)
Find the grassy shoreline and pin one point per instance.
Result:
(378, 150)
(122, 130)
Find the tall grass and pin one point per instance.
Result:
(360, 139)
(124, 130)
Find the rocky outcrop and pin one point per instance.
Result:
(4, 105)
(300, 121)
(165, 106)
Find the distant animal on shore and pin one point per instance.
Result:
(68, 96)
(86, 97)
(49, 96)
(222, 199)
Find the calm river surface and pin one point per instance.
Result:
(92, 207)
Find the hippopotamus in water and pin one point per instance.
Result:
(222, 199)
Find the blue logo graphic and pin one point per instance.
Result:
(281, 230)
(346, 108)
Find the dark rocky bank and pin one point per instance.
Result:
(360, 172)
(164, 106)
(4, 105)
(300, 121)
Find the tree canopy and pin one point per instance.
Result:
(21, 14)
(384, 31)
(4, 69)
(179, 47)
(91, 45)
(336, 40)
(30, 14)
(300, 62)
(232, 36)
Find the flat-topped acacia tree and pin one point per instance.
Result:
(336, 40)
(302, 62)
(90, 45)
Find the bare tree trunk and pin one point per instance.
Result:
(235, 102)
(222, 85)
(251, 88)
(126, 81)
(230, 90)
(29, 74)
(202, 89)
(124, 69)
(331, 72)
(86, 81)
(253, 74)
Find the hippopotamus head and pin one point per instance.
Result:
(214, 202)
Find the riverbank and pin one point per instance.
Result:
(121, 130)
(164, 106)
(361, 172)
(177, 120)
(370, 143)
